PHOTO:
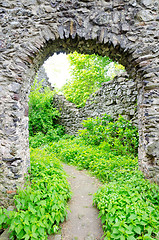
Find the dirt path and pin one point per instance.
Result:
(82, 222)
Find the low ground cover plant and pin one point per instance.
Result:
(127, 203)
(106, 165)
(118, 136)
(53, 135)
(42, 204)
(129, 209)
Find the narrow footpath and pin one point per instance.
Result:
(83, 222)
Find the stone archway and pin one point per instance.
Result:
(126, 30)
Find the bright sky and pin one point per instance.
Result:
(57, 69)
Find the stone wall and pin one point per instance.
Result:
(32, 30)
(116, 97)
(42, 76)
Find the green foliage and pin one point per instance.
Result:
(102, 162)
(120, 136)
(129, 209)
(43, 127)
(127, 203)
(52, 135)
(3, 218)
(42, 115)
(105, 147)
(42, 205)
(87, 74)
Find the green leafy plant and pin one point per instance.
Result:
(3, 218)
(127, 203)
(43, 118)
(42, 115)
(54, 134)
(42, 204)
(87, 74)
(101, 161)
(120, 136)
(128, 209)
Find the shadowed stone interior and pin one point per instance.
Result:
(32, 30)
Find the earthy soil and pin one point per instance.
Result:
(5, 235)
(83, 222)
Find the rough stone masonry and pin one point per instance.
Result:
(115, 97)
(32, 30)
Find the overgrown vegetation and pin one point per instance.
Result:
(43, 127)
(87, 74)
(42, 204)
(127, 203)
(120, 136)
(129, 208)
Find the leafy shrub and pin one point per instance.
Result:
(129, 209)
(127, 203)
(43, 127)
(42, 205)
(120, 136)
(87, 74)
(106, 165)
(3, 218)
(42, 115)
(52, 135)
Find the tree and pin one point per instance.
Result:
(87, 72)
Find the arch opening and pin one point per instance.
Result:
(18, 153)
(94, 92)
(82, 46)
